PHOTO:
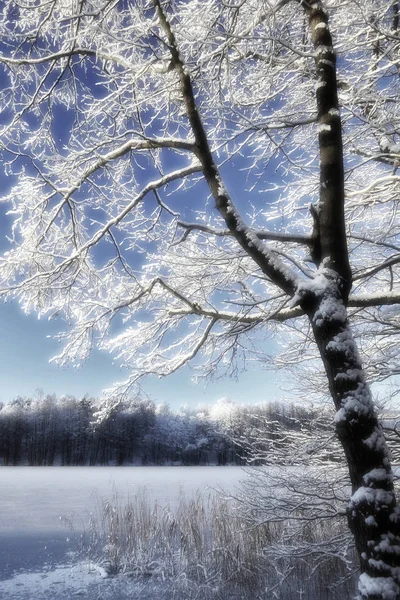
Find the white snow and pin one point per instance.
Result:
(330, 309)
(344, 342)
(222, 191)
(322, 285)
(324, 49)
(350, 375)
(375, 440)
(81, 580)
(388, 145)
(323, 127)
(376, 475)
(386, 545)
(351, 405)
(371, 496)
(381, 586)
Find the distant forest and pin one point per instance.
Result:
(47, 431)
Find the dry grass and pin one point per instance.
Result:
(204, 550)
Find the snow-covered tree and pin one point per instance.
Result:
(165, 155)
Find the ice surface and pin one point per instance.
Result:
(33, 499)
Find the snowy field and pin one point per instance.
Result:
(44, 511)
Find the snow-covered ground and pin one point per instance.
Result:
(44, 511)
(74, 580)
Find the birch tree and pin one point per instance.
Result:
(192, 177)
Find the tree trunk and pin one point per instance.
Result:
(372, 513)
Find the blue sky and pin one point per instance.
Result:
(27, 345)
(25, 350)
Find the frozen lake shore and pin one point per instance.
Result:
(44, 511)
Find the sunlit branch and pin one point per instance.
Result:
(104, 160)
(390, 262)
(246, 237)
(261, 234)
(44, 59)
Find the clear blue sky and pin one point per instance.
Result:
(25, 351)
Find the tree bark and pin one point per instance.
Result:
(372, 513)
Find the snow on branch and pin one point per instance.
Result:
(275, 236)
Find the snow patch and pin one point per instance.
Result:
(104, 574)
(376, 497)
(386, 545)
(324, 49)
(323, 127)
(221, 190)
(255, 242)
(331, 309)
(64, 581)
(350, 375)
(354, 404)
(326, 62)
(384, 587)
(376, 440)
(358, 400)
(388, 145)
(375, 476)
(344, 343)
(324, 284)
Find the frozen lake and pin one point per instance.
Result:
(36, 501)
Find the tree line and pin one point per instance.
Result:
(47, 430)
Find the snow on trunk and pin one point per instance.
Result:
(372, 513)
